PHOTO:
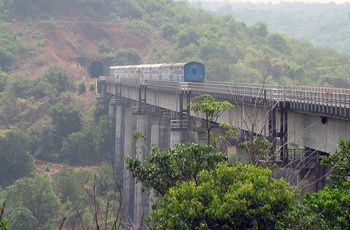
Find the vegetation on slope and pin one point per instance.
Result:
(44, 117)
(167, 31)
(323, 24)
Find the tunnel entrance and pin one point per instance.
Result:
(96, 69)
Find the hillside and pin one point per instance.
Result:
(150, 31)
(66, 40)
(326, 25)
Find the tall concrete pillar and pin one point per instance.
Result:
(112, 107)
(157, 139)
(311, 177)
(175, 138)
(119, 136)
(141, 200)
(164, 133)
(128, 180)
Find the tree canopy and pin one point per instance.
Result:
(15, 160)
(163, 168)
(229, 197)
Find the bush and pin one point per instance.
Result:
(92, 87)
(81, 87)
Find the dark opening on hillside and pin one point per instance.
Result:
(96, 69)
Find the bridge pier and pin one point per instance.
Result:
(297, 115)
(128, 180)
(312, 175)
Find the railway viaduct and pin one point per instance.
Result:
(312, 117)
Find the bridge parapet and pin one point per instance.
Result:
(318, 100)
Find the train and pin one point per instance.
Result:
(183, 72)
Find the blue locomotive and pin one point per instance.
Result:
(186, 72)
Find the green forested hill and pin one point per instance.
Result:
(231, 50)
(323, 24)
(47, 115)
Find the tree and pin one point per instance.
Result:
(21, 87)
(169, 31)
(15, 161)
(35, 199)
(340, 165)
(80, 145)
(228, 197)
(127, 57)
(41, 88)
(163, 168)
(3, 222)
(332, 204)
(58, 79)
(257, 148)
(277, 42)
(187, 37)
(6, 60)
(81, 87)
(212, 109)
(93, 202)
(66, 119)
(3, 80)
(105, 142)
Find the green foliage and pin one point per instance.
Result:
(210, 108)
(103, 47)
(42, 88)
(163, 168)
(127, 57)
(92, 87)
(79, 145)
(3, 224)
(81, 87)
(260, 29)
(48, 145)
(277, 42)
(187, 37)
(169, 32)
(15, 161)
(22, 219)
(229, 197)
(299, 20)
(331, 206)
(340, 165)
(68, 185)
(66, 119)
(58, 79)
(105, 143)
(91, 199)
(3, 80)
(6, 60)
(257, 148)
(34, 200)
(21, 87)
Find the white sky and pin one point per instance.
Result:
(277, 1)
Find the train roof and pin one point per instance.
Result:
(177, 64)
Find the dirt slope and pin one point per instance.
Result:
(66, 40)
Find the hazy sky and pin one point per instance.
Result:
(277, 1)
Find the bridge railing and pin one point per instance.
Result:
(336, 97)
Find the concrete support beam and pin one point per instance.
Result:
(119, 137)
(311, 177)
(141, 200)
(128, 180)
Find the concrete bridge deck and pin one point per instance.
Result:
(313, 117)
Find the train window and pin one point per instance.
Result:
(194, 71)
